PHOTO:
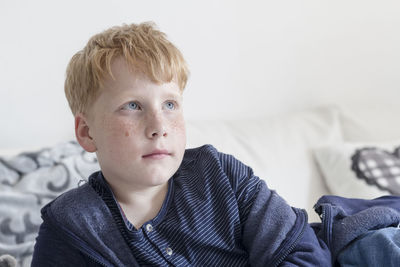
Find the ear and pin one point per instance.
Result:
(82, 133)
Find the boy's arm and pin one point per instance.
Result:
(271, 223)
(272, 231)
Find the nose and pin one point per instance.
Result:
(155, 126)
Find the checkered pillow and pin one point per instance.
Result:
(361, 170)
(378, 167)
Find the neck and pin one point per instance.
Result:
(140, 205)
(140, 197)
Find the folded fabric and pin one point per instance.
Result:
(374, 249)
(346, 219)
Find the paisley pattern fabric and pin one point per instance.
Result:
(28, 181)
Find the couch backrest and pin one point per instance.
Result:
(278, 148)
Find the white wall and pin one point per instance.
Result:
(247, 58)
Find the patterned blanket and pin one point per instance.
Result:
(28, 181)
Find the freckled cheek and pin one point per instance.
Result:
(178, 127)
(119, 130)
(127, 130)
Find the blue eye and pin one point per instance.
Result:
(132, 106)
(170, 105)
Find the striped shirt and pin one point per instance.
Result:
(201, 220)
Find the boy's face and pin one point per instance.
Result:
(136, 128)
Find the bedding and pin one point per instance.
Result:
(7, 261)
(359, 232)
(30, 180)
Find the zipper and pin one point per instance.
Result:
(326, 219)
(325, 214)
(303, 217)
(77, 243)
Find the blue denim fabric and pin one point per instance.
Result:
(375, 248)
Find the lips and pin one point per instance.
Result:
(157, 154)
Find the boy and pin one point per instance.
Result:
(153, 203)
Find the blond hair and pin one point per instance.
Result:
(142, 46)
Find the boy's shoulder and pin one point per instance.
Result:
(74, 201)
(217, 166)
(206, 154)
(199, 156)
(195, 152)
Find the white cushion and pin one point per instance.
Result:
(278, 148)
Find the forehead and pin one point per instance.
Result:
(125, 83)
(123, 75)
